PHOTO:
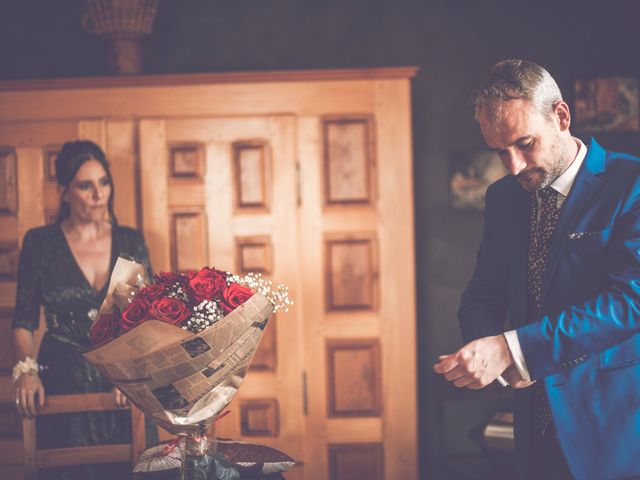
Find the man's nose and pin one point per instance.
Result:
(515, 163)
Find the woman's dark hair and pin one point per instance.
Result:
(71, 157)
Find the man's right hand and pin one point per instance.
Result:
(27, 387)
(514, 378)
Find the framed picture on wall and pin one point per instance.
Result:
(606, 105)
(470, 175)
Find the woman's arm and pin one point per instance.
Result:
(28, 385)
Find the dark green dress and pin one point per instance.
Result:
(49, 276)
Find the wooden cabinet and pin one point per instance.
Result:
(302, 176)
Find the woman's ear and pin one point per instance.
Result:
(62, 193)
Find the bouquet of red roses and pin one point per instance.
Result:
(180, 347)
(192, 302)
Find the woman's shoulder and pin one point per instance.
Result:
(42, 233)
(129, 235)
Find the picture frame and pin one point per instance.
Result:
(606, 105)
(470, 175)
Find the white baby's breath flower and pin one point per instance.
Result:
(278, 295)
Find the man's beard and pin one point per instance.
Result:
(549, 174)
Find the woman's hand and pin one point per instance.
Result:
(27, 388)
(121, 399)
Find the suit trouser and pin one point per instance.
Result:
(546, 460)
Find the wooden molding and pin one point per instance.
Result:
(188, 240)
(260, 417)
(187, 162)
(8, 181)
(349, 165)
(351, 272)
(388, 73)
(353, 378)
(356, 460)
(50, 154)
(252, 194)
(254, 254)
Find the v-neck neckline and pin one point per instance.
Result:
(74, 260)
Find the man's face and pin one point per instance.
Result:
(528, 142)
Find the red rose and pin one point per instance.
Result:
(104, 328)
(136, 312)
(170, 278)
(152, 292)
(207, 284)
(234, 296)
(170, 310)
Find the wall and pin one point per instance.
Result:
(453, 41)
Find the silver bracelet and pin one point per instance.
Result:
(28, 365)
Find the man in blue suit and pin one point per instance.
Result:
(560, 261)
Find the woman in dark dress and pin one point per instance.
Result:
(65, 267)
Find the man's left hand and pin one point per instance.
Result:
(477, 364)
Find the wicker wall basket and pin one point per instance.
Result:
(122, 24)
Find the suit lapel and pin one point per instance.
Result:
(519, 225)
(584, 186)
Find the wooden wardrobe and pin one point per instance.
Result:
(305, 177)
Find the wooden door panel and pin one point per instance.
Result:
(348, 160)
(8, 182)
(188, 239)
(226, 209)
(350, 461)
(351, 272)
(353, 383)
(358, 290)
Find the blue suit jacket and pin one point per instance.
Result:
(585, 343)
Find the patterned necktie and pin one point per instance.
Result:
(543, 217)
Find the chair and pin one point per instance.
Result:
(497, 448)
(57, 457)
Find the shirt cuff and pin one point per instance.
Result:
(516, 352)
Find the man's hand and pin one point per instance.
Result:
(477, 364)
(512, 375)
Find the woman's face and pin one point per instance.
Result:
(89, 192)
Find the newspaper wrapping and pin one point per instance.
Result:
(179, 379)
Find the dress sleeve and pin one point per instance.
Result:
(28, 295)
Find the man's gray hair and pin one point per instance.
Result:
(517, 79)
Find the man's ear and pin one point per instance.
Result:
(562, 114)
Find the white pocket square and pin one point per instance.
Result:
(579, 235)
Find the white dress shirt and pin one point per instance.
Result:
(562, 185)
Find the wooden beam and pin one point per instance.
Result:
(86, 402)
(208, 78)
